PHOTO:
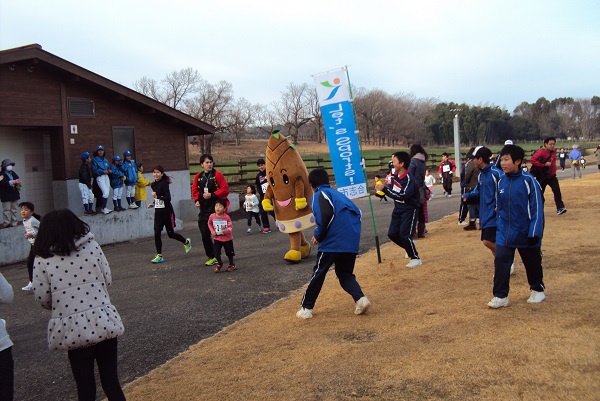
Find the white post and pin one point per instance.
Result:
(457, 157)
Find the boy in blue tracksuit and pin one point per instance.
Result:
(520, 222)
(117, 176)
(337, 234)
(130, 170)
(403, 190)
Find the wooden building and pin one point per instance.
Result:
(51, 111)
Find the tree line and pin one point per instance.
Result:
(383, 119)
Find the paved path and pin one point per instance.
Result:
(168, 307)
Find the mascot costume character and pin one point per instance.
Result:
(288, 193)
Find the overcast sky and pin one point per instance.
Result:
(478, 52)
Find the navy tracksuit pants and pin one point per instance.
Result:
(344, 270)
(505, 256)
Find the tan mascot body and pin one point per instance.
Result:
(288, 194)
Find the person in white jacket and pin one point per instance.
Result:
(71, 278)
(6, 359)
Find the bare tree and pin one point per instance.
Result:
(173, 88)
(239, 119)
(587, 118)
(181, 84)
(265, 119)
(149, 87)
(293, 109)
(211, 104)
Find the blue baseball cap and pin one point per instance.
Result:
(100, 147)
(116, 158)
(127, 153)
(85, 155)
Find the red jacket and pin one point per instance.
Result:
(216, 185)
(547, 156)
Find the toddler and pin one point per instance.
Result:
(251, 203)
(221, 230)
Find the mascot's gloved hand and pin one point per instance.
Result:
(267, 205)
(301, 203)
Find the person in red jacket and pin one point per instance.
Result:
(543, 168)
(446, 170)
(208, 186)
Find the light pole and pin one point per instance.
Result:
(457, 158)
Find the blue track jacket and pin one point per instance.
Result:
(520, 211)
(99, 164)
(486, 188)
(338, 220)
(130, 169)
(404, 191)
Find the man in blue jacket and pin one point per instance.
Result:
(337, 235)
(520, 222)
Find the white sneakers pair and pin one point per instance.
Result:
(28, 287)
(133, 206)
(362, 306)
(414, 263)
(535, 298)
(106, 210)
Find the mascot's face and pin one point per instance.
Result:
(284, 168)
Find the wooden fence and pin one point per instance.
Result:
(244, 172)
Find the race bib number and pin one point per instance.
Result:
(249, 206)
(219, 226)
(159, 203)
(562, 155)
(445, 168)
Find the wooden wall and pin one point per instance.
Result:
(38, 99)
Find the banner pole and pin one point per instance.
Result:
(364, 168)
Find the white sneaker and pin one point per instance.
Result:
(414, 263)
(133, 206)
(362, 306)
(512, 269)
(496, 303)
(106, 210)
(304, 313)
(463, 223)
(536, 297)
(449, 196)
(28, 287)
(249, 230)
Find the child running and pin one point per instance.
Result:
(164, 216)
(31, 224)
(429, 181)
(380, 194)
(221, 230)
(252, 210)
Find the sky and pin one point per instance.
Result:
(490, 52)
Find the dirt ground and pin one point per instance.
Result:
(429, 334)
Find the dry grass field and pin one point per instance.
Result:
(429, 334)
(255, 148)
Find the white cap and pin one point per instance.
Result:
(508, 142)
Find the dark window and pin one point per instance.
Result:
(124, 139)
(80, 107)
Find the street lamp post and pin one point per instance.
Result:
(457, 157)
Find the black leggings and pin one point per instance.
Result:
(7, 376)
(82, 365)
(256, 215)
(166, 220)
